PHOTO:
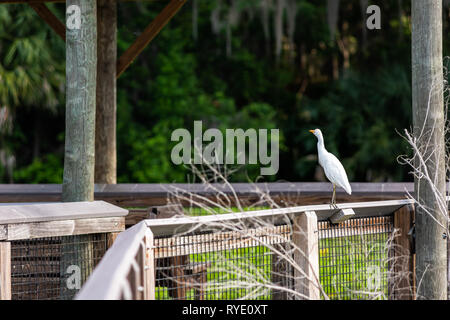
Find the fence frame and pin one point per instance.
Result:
(23, 221)
(109, 278)
(5, 270)
(403, 223)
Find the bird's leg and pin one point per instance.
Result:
(333, 198)
(334, 194)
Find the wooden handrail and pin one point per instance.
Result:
(118, 275)
(172, 226)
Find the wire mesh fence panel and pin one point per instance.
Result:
(217, 266)
(257, 263)
(354, 258)
(54, 267)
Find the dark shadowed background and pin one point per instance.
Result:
(231, 64)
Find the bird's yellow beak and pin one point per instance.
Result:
(312, 131)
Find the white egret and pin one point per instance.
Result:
(333, 168)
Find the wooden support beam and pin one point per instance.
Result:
(48, 16)
(5, 270)
(401, 282)
(305, 238)
(106, 104)
(148, 35)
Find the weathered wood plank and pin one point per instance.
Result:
(18, 231)
(216, 242)
(148, 34)
(402, 280)
(275, 216)
(145, 195)
(39, 212)
(105, 114)
(306, 255)
(5, 271)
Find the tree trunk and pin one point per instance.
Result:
(81, 70)
(105, 125)
(428, 121)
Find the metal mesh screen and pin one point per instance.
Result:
(217, 266)
(54, 267)
(234, 265)
(353, 258)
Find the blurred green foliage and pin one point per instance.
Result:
(178, 79)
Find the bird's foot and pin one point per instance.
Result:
(334, 205)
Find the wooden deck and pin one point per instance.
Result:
(145, 195)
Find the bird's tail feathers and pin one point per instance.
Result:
(348, 188)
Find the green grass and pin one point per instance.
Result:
(229, 268)
(350, 266)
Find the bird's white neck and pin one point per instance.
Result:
(320, 143)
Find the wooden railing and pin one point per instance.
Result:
(128, 269)
(46, 221)
(145, 195)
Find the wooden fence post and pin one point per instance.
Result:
(149, 267)
(111, 237)
(5, 270)
(402, 280)
(306, 255)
